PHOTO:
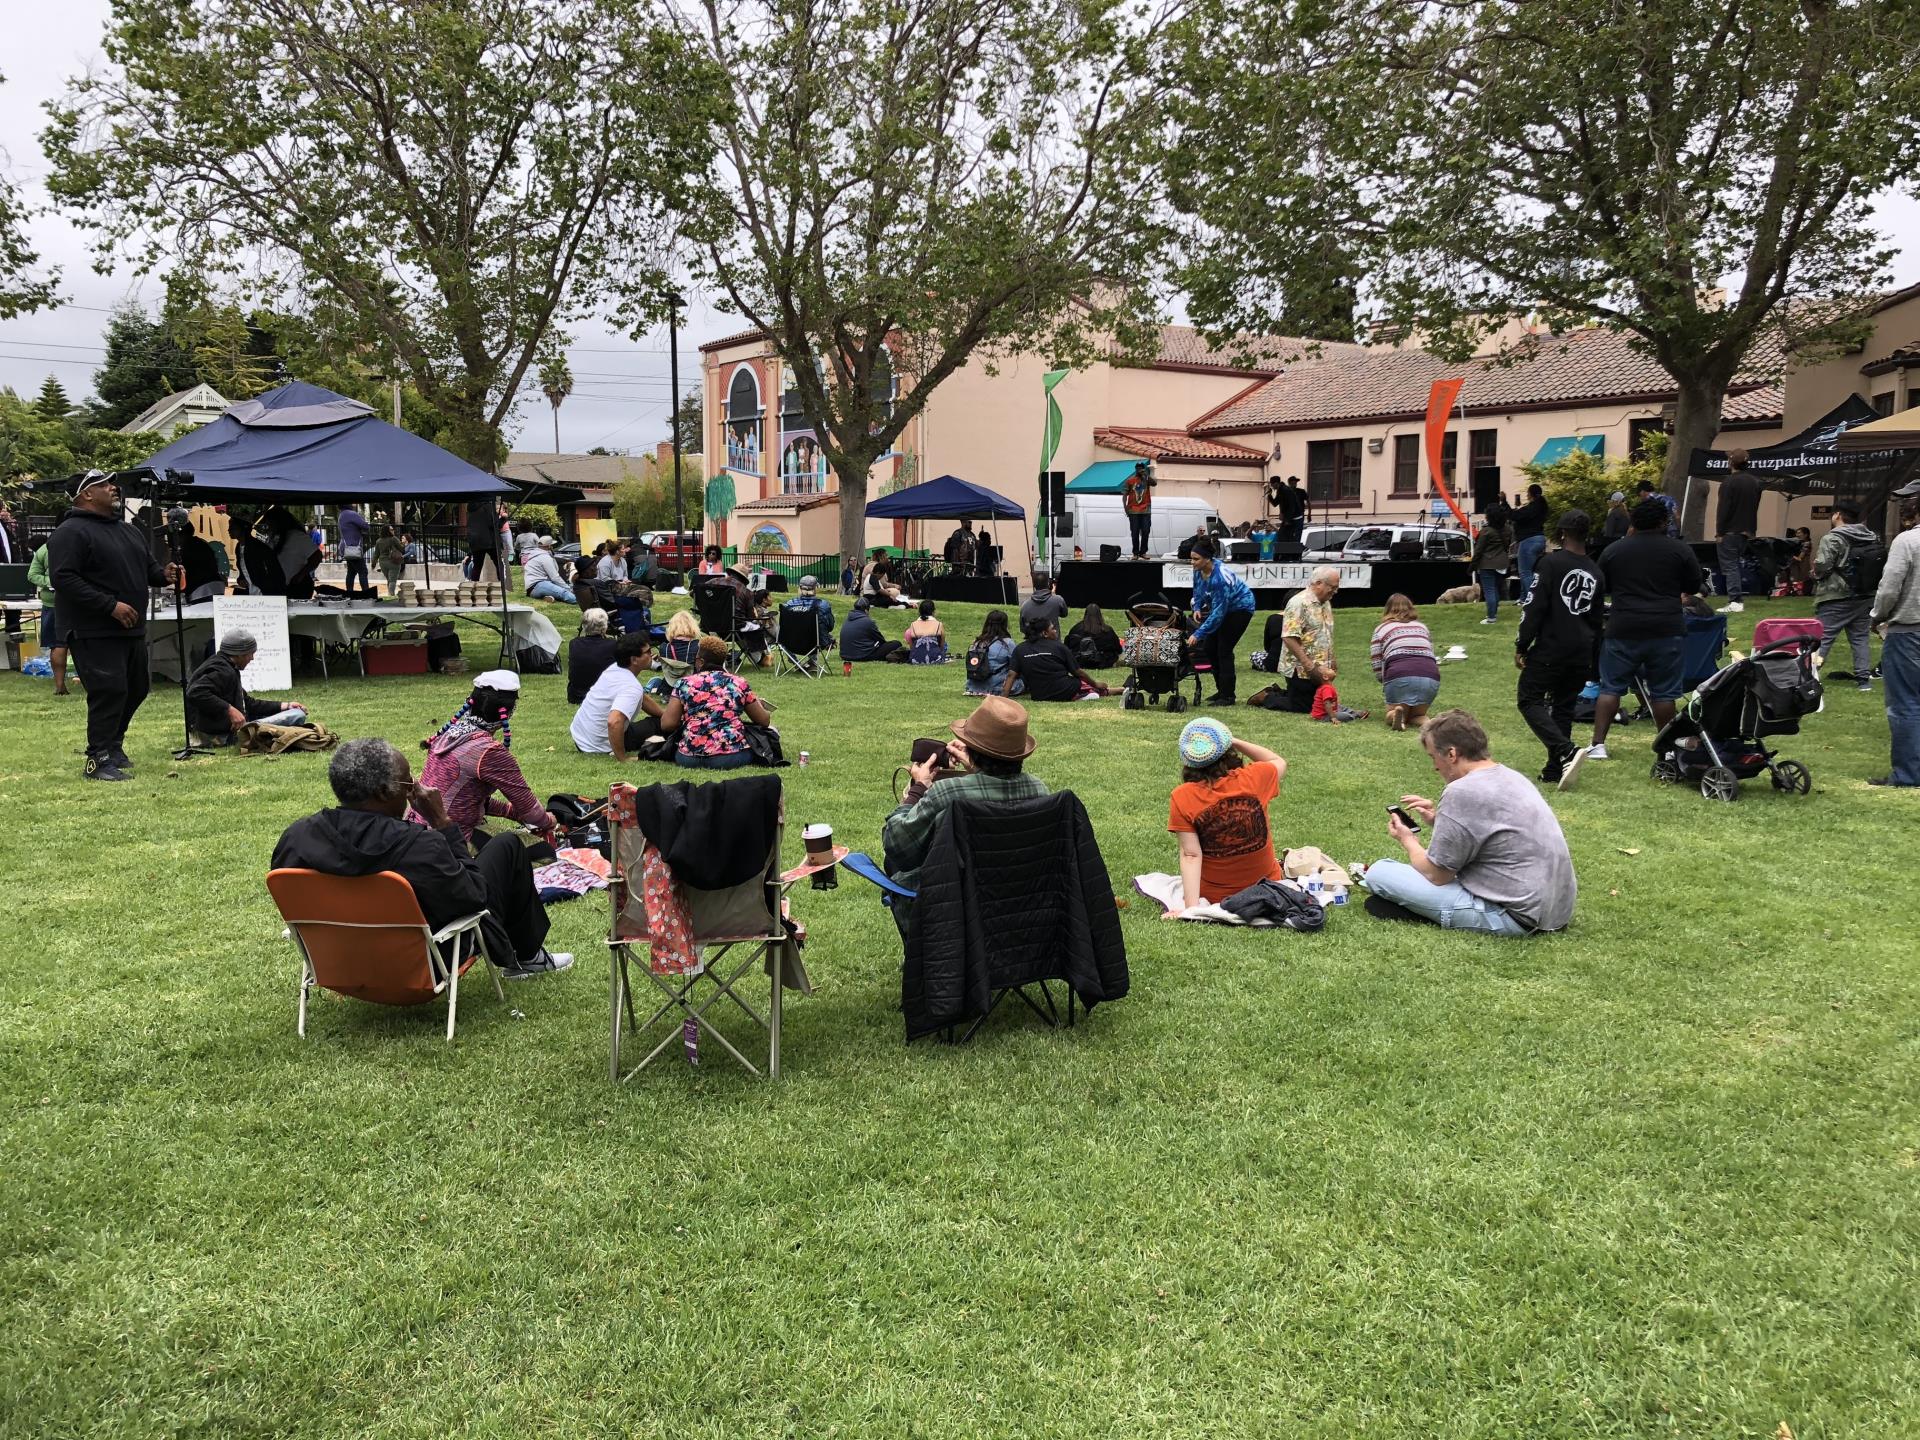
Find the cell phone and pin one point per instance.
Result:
(1403, 817)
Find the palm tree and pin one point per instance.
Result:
(556, 382)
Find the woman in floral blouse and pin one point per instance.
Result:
(709, 711)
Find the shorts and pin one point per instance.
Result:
(1656, 662)
(1411, 690)
(50, 636)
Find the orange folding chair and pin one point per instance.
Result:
(365, 936)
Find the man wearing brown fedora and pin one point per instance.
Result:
(982, 763)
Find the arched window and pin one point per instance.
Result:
(743, 421)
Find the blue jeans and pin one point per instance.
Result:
(712, 762)
(1411, 690)
(1900, 670)
(1492, 583)
(547, 590)
(1526, 556)
(1452, 906)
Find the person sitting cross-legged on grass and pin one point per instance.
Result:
(1218, 813)
(1044, 667)
(709, 711)
(471, 763)
(861, 640)
(219, 702)
(1498, 862)
(369, 833)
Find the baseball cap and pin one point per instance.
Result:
(808, 582)
(1616, 497)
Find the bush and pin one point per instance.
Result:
(1582, 481)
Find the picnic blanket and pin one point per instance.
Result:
(1166, 891)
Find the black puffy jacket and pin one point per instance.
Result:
(1010, 895)
(95, 562)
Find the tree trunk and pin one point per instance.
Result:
(851, 473)
(1696, 420)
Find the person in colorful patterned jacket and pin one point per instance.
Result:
(470, 762)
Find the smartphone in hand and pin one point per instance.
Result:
(1399, 813)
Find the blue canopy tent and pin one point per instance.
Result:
(302, 443)
(948, 498)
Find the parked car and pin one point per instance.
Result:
(1373, 544)
(682, 554)
(1323, 542)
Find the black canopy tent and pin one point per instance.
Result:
(1814, 462)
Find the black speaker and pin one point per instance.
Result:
(1063, 523)
(1109, 553)
(1053, 491)
(1288, 550)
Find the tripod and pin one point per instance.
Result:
(188, 750)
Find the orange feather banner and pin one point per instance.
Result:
(1439, 409)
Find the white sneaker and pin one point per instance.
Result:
(547, 962)
(1570, 772)
(1593, 752)
(1489, 621)
(1733, 607)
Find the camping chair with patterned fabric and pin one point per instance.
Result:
(365, 936)
(730, 930)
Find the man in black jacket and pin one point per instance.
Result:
(218, 704)
(1649, 577)
(1529, 538)
(370, 833)
(1560, 626)
(101, 571)
(483, 539)
(1739, 517)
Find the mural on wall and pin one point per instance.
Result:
(803, 465)
(769, 540)
(743, 421)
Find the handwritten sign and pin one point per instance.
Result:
(1271, 576)
(265, 618)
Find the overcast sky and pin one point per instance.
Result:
(620, 394)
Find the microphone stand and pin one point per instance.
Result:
(188, 750)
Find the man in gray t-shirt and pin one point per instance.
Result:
(1497, 862)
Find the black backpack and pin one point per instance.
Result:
(1865, 561)
(979, 667)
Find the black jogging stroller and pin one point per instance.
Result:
(1718, 737)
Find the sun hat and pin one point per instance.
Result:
(238, 642)
(1204, 741)
(998, 729)
(502, 680)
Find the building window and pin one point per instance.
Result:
(1333, 472)
(1449, 458)
(1883, 403)
(1639, 430)
(1406, 465)
(743, 421)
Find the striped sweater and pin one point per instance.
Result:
(1402, 648)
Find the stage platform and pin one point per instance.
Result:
(1112, 583)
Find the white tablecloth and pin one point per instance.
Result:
(339, 622)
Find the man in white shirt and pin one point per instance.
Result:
(618, 714)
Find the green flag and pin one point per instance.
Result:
(1051, 442)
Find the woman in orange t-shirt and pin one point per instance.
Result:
(1219, 813)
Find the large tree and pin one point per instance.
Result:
(911, 183)
(22, 286)
(1696, 173)
(454, 177)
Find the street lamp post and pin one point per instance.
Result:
(674, 301)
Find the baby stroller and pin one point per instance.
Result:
(1154, 650)
(1718, 736)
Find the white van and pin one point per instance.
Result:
(1101, 520)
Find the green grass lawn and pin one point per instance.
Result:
(1654, 1176)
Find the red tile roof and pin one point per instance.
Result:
(739, 338)
(1158, 444)
(1358, 383)
(1184, 348)
(1767, 405)
(785, 504)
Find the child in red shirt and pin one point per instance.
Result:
(1326, 700)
